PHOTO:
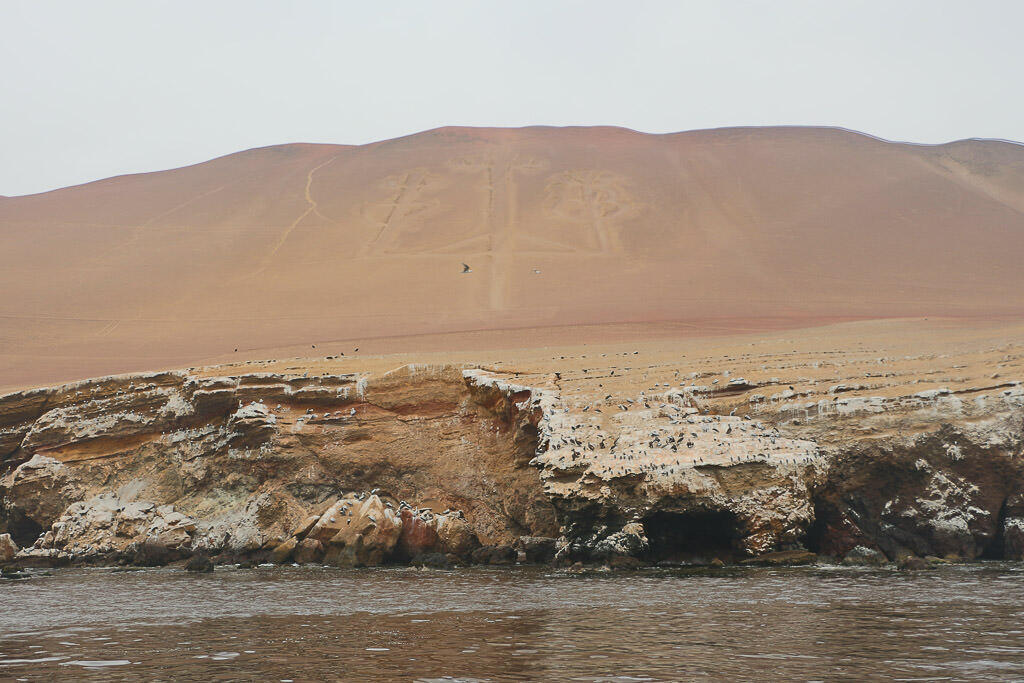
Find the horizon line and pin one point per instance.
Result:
(525, 127)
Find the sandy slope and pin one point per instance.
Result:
(631, 235)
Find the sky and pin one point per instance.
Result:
(94, 89)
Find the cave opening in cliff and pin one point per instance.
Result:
(23, 530)
(691, 537)
(996, 548)
(815, 538)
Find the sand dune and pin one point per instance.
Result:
(293, 245)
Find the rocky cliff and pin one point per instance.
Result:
(438, 464)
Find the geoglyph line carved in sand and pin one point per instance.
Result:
(406, 195)
(592, 198)
(311, 208)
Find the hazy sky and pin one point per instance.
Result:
(94, 89)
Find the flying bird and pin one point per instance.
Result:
(466, 269)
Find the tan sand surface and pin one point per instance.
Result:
(884, 358)
(573, 235)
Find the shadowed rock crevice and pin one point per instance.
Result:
(22, 528)
(697, 536)
(943, 493)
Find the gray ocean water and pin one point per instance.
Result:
(525, 624)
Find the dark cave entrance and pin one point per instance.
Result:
(996, 548)
(691, 537)
(23, 530)
(815, 539)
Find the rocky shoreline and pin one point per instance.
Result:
(442, 466)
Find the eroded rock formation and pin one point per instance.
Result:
(441, 465)
(155, 466)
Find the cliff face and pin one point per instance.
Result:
(235, 464)
(472, 465)
(666, 479)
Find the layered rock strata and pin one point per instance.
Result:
(443, 465)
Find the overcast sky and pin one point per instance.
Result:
(94, 89)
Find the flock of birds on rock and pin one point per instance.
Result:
(690, 441)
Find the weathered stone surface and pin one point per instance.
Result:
(305, 525)
(418, 535)
(494, 554)
(107, 526)
(1013, 527)
(253, 423)
(456, 536)
(283, 552)
(865, 557)
(8, 548)
(35, 494)
(936, 494)
(368, 537)
(256, 459)
(538, 549)
(340, 468)
(783, 557)
(629, 541)
(1013, 538)
(432, 560)
(912, 563)
(199, 563)
(308, 551)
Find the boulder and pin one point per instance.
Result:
(495, 554)
(456, 536)
(8, 548)
(432, 560)
(152, 552)
(283, 552)
(861, 556)
(624, 562)
(783, 558)
(912, 563)
(305, 525)
(367, 538)
(308, 551)
(333, 520)
(538, 549)
(199, 563)
(630, 540)
(107, 526)
(419, 534)
(1013, 528)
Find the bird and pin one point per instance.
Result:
(466, 269)
(536, 271)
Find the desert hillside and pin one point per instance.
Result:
(295, 245)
